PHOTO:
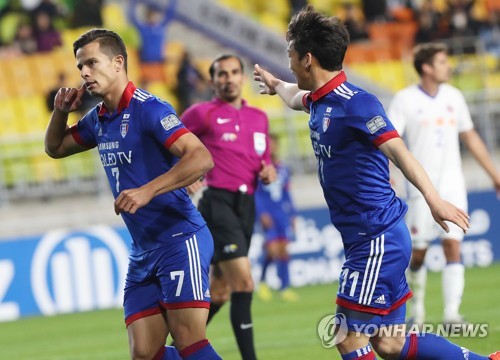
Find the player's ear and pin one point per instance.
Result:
(308, 60)
(118, 61)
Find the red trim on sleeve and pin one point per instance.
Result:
(73, 130)
(372, 310)
(186, 305)
(191, 349)
(177, 134)
(142, 314)
(385, 136)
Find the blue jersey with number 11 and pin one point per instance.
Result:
(133, 145)
(347, 125)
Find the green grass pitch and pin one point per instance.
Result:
(282, 330)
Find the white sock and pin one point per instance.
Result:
(417, 281)
(453, 289)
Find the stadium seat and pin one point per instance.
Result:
(19, 77)
(8, 120)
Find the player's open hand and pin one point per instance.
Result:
(267, 173)
(444, 211)
(267, 81)
(68, 99)
(131, 200)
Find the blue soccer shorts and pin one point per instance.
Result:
(170, 277)
(373, 276)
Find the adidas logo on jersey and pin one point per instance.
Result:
(380, 300)
(207, 293)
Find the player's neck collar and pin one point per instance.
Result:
(329, 86)
(124, 101)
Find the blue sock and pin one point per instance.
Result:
(435, 347)
(171, 353)
(202, 350)
(283, 274)
(365, 353)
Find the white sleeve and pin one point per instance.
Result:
(396, 114)
(464, 120)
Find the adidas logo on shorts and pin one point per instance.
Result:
(380, 300)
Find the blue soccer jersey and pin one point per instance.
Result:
(133, 144)
(274, 199)
(347, 124)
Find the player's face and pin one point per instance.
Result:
(97, 70)
(228, 79)
(298, 68)
(441, 68)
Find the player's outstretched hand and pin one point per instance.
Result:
(267, 81)
(444, 211)
(267, 173)
(131, 200)
(68, 99)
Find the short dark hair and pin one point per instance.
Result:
(109, 42)
(424, 54)
(326, 38)
(211, 70)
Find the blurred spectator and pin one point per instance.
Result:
(355, 22)
(46, 35)
(24, 40)
(490, 34)
(296, 5)
(87, 13)
(153, 33)
(374, 10)
(460, 18)
(48, 7)
(428, 20)
(191, 85)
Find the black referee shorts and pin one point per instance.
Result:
(230, 216)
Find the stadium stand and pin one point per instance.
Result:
(381, 60)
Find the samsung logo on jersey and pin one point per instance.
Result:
(111, 145)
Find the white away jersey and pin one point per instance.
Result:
(430, 127)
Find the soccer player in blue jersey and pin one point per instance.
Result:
(353, 139)
(275, 213)
(149, 157)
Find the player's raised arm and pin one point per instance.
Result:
(441, 210)
(271, 85)
(59, 142)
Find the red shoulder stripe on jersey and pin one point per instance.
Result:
(186, 305)
(142, 314)
(76, 136)
(384, 137)
(368, 309)
(174, 137)
(304, 99)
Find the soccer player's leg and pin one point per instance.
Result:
(238, 274)
(453, 277)
(220, 291)
(182, 271)
(423, 230)
(145, 319)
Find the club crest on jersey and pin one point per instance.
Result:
(259, 142)
(326, 123)
(124, 129)
(170, 121)
(375, 124)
